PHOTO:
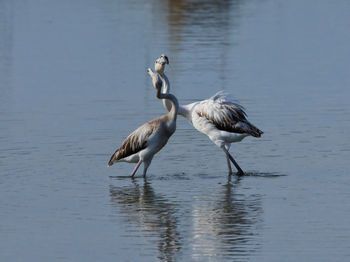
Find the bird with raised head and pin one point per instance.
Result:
(219, 117)
(147, 140)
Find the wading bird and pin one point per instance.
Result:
(142, 144)
(221, 119)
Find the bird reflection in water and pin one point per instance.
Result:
(227, 226)
(152, 214)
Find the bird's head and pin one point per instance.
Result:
(157, 82)
(164, 59)
(159, 64)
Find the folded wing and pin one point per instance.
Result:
(226, 115)
(134, 143)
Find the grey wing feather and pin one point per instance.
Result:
(227, 114)
(225, 98)
(134, 143)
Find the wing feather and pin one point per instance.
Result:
(135, 142)
(226, 114)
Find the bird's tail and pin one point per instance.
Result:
(113, 158)
(254, 131)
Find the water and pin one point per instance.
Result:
(73, 85)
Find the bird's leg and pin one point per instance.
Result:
(145, 167)
(145, 170)
(240, 171)
(229, 165)
(136, 167)
(228, 161)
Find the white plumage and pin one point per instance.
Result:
(219, 117)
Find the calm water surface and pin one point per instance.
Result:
(73, 85)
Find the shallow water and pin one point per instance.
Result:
(73, 85)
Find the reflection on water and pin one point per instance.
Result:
(201, 21)
(204, 27)
(155, 216)
(263, 174)
(73, 85)
(224, 223)
(228, 225)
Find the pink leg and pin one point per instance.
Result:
(136, 167)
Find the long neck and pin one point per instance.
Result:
(166, 90)
(166, 103)
(174, 104)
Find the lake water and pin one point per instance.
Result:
(73, 85)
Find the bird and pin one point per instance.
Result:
(147, 140)
(223, 120)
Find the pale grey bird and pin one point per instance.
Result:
(142, 144)
(221, 119)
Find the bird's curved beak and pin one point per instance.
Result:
(166, 59)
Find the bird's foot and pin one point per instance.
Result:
(240, 173)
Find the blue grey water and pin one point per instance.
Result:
(73, 85)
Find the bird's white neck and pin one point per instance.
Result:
(183, 110)
(166, 90)
(172, 100)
